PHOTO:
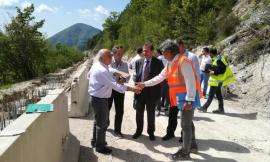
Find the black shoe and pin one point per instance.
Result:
(105, 150)
(181, 140)
(152, 137)
(167, 137)
(180, 155)
(136, 135)
(118, 134)
(93, 143)
(194, 148)
(202, 110)
(218, 111)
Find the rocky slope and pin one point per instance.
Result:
(248, 50)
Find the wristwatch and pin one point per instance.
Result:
(189, 102)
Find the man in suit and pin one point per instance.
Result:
(147, 68)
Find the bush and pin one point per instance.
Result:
(62, 57)
(227, 26)
(250, 53)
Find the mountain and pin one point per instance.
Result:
(74, 36)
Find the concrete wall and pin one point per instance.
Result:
(45, 136)
(79, 96)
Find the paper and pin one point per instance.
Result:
(39, 108)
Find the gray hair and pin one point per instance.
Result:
(170, 45)
(101, 53)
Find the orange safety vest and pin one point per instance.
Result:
(176, 79)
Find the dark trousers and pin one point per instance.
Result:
(101, 114)
(172, 123)
(118, 99)
(186, 125)
(144, 100)
(165, 99)
(214, 91)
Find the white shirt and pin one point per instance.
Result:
(133, 60)
(164, 61)
(206, 59)
(187, 71)
(195, 62)
(101, 81)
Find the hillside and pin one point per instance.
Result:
(75, 35)
(240, 29)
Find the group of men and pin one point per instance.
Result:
(176, 75)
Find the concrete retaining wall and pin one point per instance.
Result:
(45, 136)
(79, 105)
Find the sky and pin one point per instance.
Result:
(60, 14)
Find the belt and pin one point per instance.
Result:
(99, 98)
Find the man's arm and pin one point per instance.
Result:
(190, 81)
(221, 68)
(154, 81)
(109, 81)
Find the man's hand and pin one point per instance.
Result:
(121, 74)
(212, 73)
(134, 89)
(140, 85)
(187, 106)
(121, 81)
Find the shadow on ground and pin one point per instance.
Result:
(87, 155)
(248, 116)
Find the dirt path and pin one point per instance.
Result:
(235, 136)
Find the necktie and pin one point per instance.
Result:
(146, 71)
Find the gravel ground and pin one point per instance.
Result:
(236, 136)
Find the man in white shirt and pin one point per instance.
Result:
(137, 57)
(205, 74)
(101, 83)
(132, 66)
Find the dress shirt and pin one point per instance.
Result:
(188, 74)
(122, 66)
(133, 60)
(195, 62)
(164, 61)
(145, 61)
(206, 59)
(101, 81)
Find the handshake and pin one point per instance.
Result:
(139, 86)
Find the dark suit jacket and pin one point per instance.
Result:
(156, 67)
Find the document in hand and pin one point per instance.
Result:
(39, 108)
(181, 99)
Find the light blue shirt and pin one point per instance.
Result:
(145, 60)
(101, 81)
(195, 62)
(122, 66)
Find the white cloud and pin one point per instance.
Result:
(101, 10)
(26, 4)
(98, 13)
(87, 13)
(44, 8)
(69, 13)
(8, 3)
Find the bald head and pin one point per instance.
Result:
(104, 56)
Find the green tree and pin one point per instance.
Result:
(28, 46)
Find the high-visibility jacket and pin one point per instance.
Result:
(223, 79)
(176, 80)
